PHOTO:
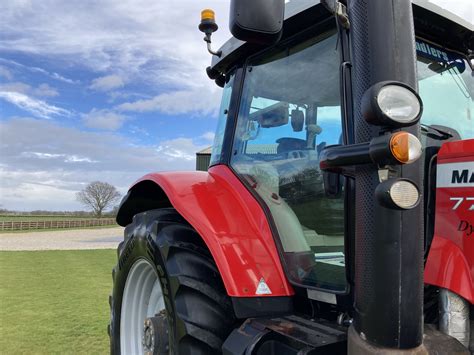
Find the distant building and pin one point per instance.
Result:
(203, 159)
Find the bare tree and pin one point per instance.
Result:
(98, 196)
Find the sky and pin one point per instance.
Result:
(105, 90)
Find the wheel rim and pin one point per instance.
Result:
(142, 298)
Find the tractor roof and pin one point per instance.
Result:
(435, 23)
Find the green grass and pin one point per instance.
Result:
(55, 302)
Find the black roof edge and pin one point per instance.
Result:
(431, 22)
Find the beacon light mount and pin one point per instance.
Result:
(208, 26)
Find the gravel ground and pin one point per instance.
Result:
(102, 238)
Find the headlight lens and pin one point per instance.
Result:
(399, 103)
(391, 104)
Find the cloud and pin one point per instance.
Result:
(45, 90)
(52, 75)
(30, 195)
(177, 102)
(179, 148)
(208, 136)
(42, 164)
(154, 44)
(103, 119)
(36, 107)
(107, 83)
(64, 157)
(16, 86)
(5, 73)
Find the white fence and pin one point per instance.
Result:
(78, 223)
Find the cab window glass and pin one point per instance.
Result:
(446, 87)
(290, 111)
(222, 120)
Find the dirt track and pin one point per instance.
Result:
(102, 238)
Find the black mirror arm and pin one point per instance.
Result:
(342, 159)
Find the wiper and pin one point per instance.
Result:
(436, 133)
(459, 82)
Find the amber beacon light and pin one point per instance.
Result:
(208, 21)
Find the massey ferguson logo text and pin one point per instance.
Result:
(455, 175)
(462, 176)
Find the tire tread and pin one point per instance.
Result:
(203, 310)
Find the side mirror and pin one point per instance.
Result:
(297, 120)
(332, 184)
(257, 21)
(272, 116)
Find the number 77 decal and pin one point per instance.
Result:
(460, 200)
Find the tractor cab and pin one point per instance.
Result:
(283, 105)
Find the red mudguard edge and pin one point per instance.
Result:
(233, 226)
(450, 262)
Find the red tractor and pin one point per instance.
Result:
(337, 215)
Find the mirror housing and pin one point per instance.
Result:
(257, 21)
(332, 184)
(272, 116)
(297, 120)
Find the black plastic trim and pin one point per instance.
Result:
(247, 307)
(232, 115)
(438, 29)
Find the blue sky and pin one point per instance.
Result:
(104, 90)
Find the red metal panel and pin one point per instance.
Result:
(232, 224)
(450, 261)
(448, 267)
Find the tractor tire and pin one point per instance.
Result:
(166, 277)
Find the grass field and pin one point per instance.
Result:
(55, 302)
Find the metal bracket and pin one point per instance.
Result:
(383, 175)
(339, 10)
(207, 39)
(341, 14)
(386, 172)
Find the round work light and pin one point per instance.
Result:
(399, 103)
(399, 194)
(391, 104)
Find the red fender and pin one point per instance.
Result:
(448, 268)
(233, 226)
